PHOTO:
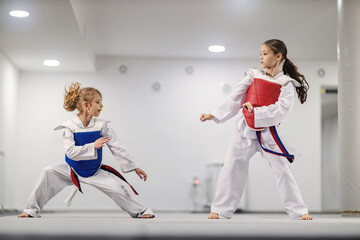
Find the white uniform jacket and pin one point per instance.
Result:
(265, 116)
(87, 151)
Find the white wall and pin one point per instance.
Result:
(8, 130)
(162, 131)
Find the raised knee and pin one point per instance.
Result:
(47, 171)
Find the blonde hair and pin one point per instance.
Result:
(75, 96)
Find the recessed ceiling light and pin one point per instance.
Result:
(19, 13)
(217, 48)
(51, 63)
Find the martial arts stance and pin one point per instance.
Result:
(265, 97)
(84, 136)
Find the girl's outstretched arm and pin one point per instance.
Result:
(119, 152)
(233, 103)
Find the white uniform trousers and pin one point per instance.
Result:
(55, 177)
(233, 176)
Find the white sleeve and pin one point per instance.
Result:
(77, 153)
(121, 155)
(273, 114)
(233, 103)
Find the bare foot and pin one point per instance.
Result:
(306, 216)
(213, 216)
(24, 215)
(147, 216)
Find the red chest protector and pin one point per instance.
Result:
(264, 93)
(261, 93)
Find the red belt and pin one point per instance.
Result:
(76, 181)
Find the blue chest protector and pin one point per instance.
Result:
(86, 168)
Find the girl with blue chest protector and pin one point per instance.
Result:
(84, 137)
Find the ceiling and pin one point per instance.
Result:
(76, 31)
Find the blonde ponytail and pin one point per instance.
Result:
(71, 98)
(75, 96)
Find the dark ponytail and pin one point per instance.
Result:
(278, 46)
(291, 70)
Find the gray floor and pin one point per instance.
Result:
(117, 225)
